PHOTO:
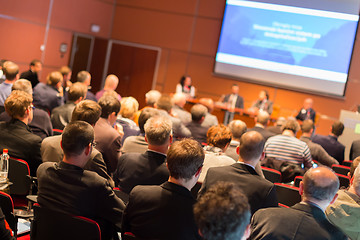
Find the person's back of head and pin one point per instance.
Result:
(111, 82)
(129, 106)
(83, 77)
(17, 104)
(88, 111)
(223, 212)
(320, 185)
(356, 181)
(291, 125)
(208, 103)
(54, 78)
(185, 158)
(354, 165)
(77, 91)
(158, 130)
(280, 121)
(251, 147)
(263, 118)
(77, 136)
(145, 115)
(179, 99)
(151, 97)
(337, 128)
(307, 126)
(198, 112)
(237, 128)
(109, 104)
(65, 70)
(218, 136)
(11, 70)
(22, 85)
(164, 103)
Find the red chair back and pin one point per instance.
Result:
(347, 163)
(287, 195)
(272, 175)
(297, 181)
(344, 180)
(340, 169)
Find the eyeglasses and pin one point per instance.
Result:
(93, 144)
(32, 106)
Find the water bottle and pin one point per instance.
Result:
(4, 166)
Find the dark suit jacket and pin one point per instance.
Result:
(17, 137)
(90, 96)
(31, 76)
(61, 116)
(140, 169)
(239, 101)
(302, 115)
(70, 189)
(354, 150)
(300, 222)
(47, 97)
(264, 132)
(198, 132)
(274, 129)
(260, 192)
(331, 145)
(40, 124)
(136, 144)
(161, 212)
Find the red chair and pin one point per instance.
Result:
(128, 236)
(57, 131)
(297, 181)
(122, 195)
(340, 169)
(344, 180)
(347, 163)
(50, 224)
(272, 175)
(287, 195)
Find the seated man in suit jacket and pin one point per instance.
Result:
(16, 135)
(146, 168)
(198, 132)
(305, 220)
(260, 192)
(166, 212)
(66, 187)
(261, 121)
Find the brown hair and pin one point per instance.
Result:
(17, 103)
(219, 136)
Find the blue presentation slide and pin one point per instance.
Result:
(287, 35)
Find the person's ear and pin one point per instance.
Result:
(301, 188)
(246, 233)
(146, 139)
(198, 171)
(238, 150)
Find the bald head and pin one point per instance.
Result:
(207, 102)
(111, 82)
(237, 128)
(11, 71)
(179, 99)
(263, 118)
(308, 103)
(251, 147)
(320, 184)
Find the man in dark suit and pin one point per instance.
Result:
(305, 220)
(107, 137)
(233, 100)
(66, 187)
(260, 192)
(32, 73)
(61, 116)
(88, 111)
(165, 212)
(330, 143)
(198, 132)
(147, 168)
(307, 112)
(354, 150)
(16, 135)
(261, 121)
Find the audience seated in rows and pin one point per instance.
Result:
(210, 119)
(61, 116)
(223, 212)
(164, 104)
(218, 139)
(166, 211)
(318, 153)
(84, 77)
(146, 168)
(330, 143)
(305, 220)
(178, 110)
(260, 192)
(345, 211)
(138, 143)
(11, 71)
(51, 151)
(129, 106)
(198, 132)
(111, 83)
(40, 124)
(50, 95)
(67, 187)
(107, 137)
(35, 68)
(261, 121)
(16, 135)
